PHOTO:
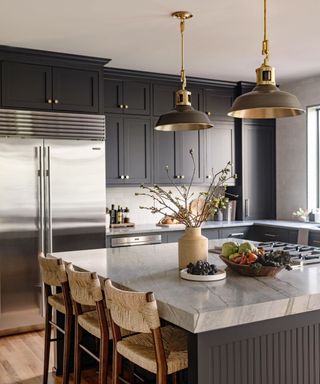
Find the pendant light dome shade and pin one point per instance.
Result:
(183, 118)
(266, 102)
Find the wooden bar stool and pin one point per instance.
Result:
(86, 292)
(160, 350)
(54, 275)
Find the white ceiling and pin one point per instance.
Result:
(223, 40)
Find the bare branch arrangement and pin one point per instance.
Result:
(179, 206)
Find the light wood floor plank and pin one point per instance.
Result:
(21, 361)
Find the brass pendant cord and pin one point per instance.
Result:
(265, 43)
(183, 74)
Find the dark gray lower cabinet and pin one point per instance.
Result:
(258, 156)
(128, 150)
(268, 233)
(314, 239)
(235, 232)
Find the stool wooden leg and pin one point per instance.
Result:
(77, 353)
(103, 364)
(47, 337)
(161, 377)
(116, 367)
(66, 348)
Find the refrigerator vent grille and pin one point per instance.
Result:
(52, 125)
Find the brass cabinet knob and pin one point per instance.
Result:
(208, 113)
(209, 177)
(178, 177)
(56, 101)
(126, 106)
(121, 106)
(182, 177)
(122, 177)
(49, 101)
(127, 177)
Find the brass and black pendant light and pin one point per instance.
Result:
(265, 101)
(183, 117)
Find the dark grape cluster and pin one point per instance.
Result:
(275, 259)
(201, 268)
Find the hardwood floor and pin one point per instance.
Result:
(21, 361)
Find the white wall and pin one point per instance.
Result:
(291, 150)
(125, 197)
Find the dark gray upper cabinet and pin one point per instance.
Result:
(217, 102)
(26, 85)
(128, 150)
(75, 90)
(172, 149)
(258, 157)
(43, 87)
(126, 96)
(164, 96)
(219, 149)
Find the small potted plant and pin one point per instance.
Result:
(301, 214)
(192, 245)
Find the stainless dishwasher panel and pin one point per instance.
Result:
(135, 240)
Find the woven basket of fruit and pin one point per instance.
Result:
(248, 260)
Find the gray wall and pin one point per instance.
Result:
(291, 150)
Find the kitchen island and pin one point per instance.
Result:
(242, 330)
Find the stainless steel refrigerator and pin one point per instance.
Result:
(52, 198)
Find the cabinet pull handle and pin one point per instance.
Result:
(178, 177)
(209, 177)
(122, 177)
(182, 177)
(121, 106)
(127, 177)
(236, 234)
(208, 113)
(270, 235)
(56, 101)
(49, 101)
(316, 241)
(247, 207)
(126, 106)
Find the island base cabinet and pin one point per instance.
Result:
(278, 351)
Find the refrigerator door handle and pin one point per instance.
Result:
(40, 199)
(49, 203)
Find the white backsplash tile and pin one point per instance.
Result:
(125, 197)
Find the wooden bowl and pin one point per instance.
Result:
(247, 270)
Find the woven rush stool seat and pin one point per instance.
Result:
(54, 275)
(57, 302)
(160, 350)
(140, 349)
(85, 290)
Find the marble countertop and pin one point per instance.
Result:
(203, 306)
(141, 228)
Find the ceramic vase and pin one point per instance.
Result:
(192, 247)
